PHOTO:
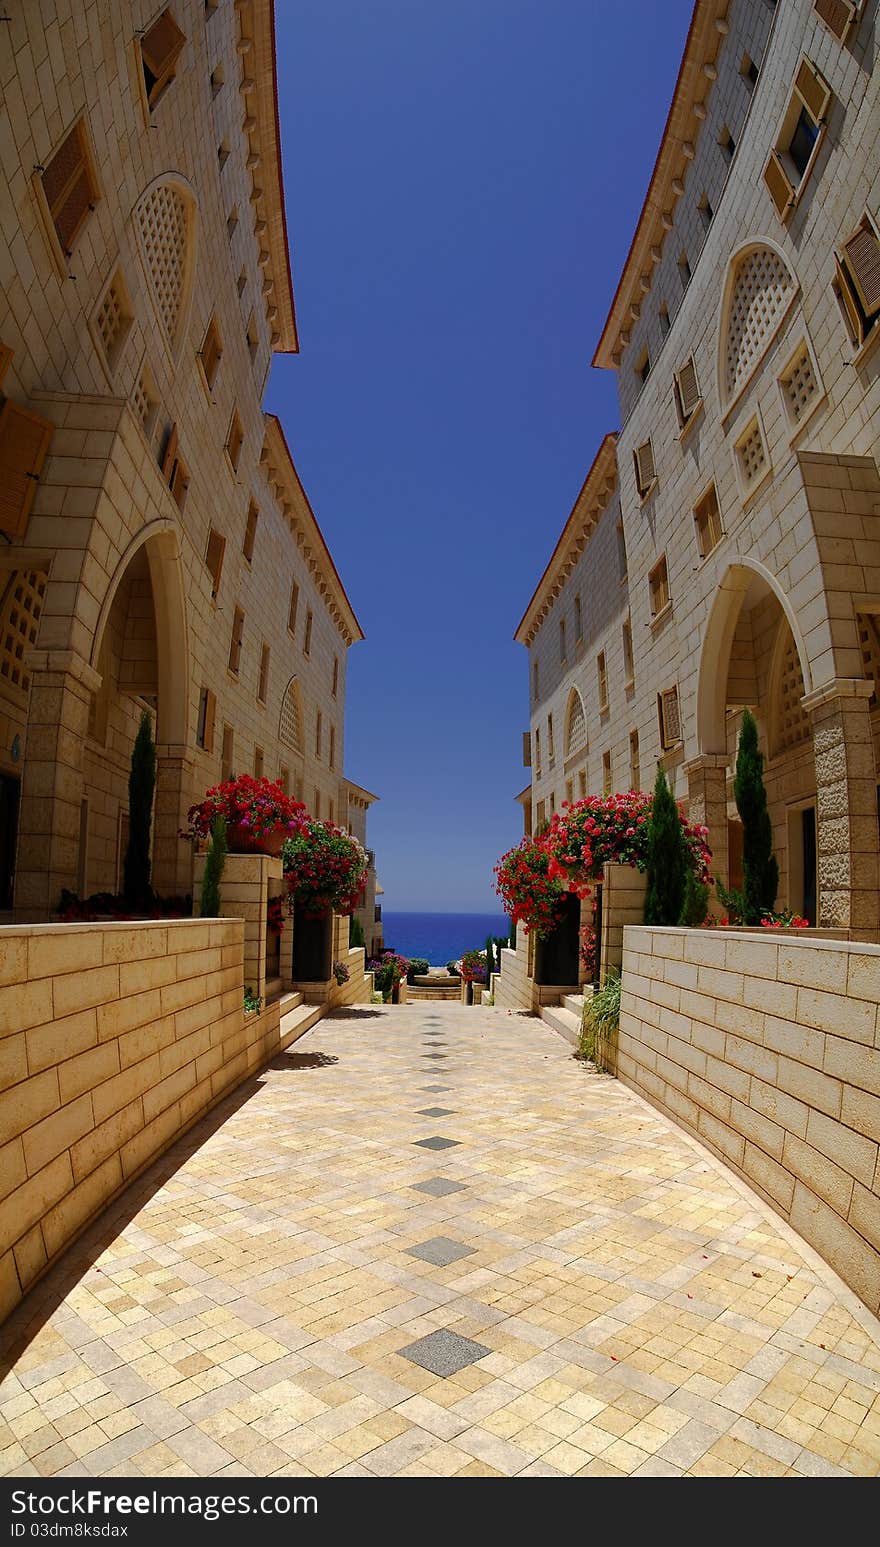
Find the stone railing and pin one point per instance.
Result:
(768, 1050)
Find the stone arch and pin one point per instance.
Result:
(789, 724)
(160, 542)
(291, 721)
(759, 289)
(575, 725)
(717, 645)
(165, 221)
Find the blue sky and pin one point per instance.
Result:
(462, 182)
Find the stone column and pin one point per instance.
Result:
(62, 684)
(846, 807)
(172, 856)
(247, 882)
(707, 806)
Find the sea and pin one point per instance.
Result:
(441, 937)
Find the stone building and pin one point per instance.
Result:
(157, 548)
(369, 912)
(725, 548)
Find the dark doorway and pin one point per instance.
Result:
(808, 838)
(557, 958)
(597, 925)
(10, 790)
(312, 943)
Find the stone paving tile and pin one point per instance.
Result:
(247, 1309)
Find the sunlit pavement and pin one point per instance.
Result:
(426, 1241)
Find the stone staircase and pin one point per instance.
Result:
(565, 1017)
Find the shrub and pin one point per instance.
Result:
(667, 865)
(418, 967)
(254, 806)
(356, 932)
(214, 863)
(760, 867)
(600, 1024)
(473, 967)
(141, 786)
(252, 1002)
(325, 869)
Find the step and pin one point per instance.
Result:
(574, 1003)
(297, 1018)
(565, 1022)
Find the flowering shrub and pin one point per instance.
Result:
(324, 867)
(781, 920)
(388, 971)
(531, 896)
(582, 838)
(275, 915)
(473, 967)
(257, 806)
(588, 948)
(341, 973)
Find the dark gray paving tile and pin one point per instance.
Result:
(437, 1142)
(434, 1055)
(444, 1352)
(439, 1187)
(436, 1088)
(435, 1111)
(440, 1250)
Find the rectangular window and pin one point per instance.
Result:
(284, 779)
(582, 783)
(205, 724)
(235, 642)
(578, 619)
(837, 15)
(668, 715)
(684, 270)
(319, 729)
(540, 816)
(569, 790)
(646, 472)
(552, 802)
(707, 520)
(628, 668)
(602, 680)
(231, 223)
(643, 368)
(174, 469)
(332, 757)
(291, 613)
(70, 186)
(749, 72)
(253, 337)
(799, 385)
(797, 143)
(214, 555)
(258, 762)
(622, 561)
(307, 637)
(857, 284)
(226, 756)
(551, 750)
(727, 144)
(537, 751)
(563, 651)
(210, 353)
(263, 689)
(686, 389)
(635, 771)
(250, 531)
(607, 782)
(234, 441)
(663, 316)
(335, 688)
(161, 46)
(705, 211)
(658, 587)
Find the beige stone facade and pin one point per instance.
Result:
(369, 912)
(723, 551)
(159, 550)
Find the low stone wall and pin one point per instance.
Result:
(114, 1039)
(623, 902)
(768, 1050)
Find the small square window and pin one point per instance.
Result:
(750, 456)
(332, 755)
(253, 337)
(799, 385)
(686, 389)
(578, 619)
(551, 750)
(563, 647)
(232, 221)
(174, 469)
(643, 366)
(684, 270)
(223, 153)
(217, 79)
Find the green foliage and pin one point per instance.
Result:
(600, 1024)
(695, 905)
(512, 935)
(667, 858)
(141, 785)
(490, 958)
(356, 932)
(214, 863)
(252, 1002)
(500, 945)
(760, 867)
(418, 968)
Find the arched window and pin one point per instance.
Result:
(290, 727)
(575, 725)
(759, 288)
(166, 218)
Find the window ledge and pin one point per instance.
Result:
(747, 496)
(629, 687)
(646, 495)
(867, 348)
(660, 617)
(685, 429)
(797, 430)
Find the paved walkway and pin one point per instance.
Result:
(427, 1241)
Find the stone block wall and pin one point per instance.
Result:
(114, 1039)
(623, 902)
(767, 1049)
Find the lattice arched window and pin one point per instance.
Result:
(290, 727)
(792, 720)
(759, 290)
(166, 221)
(575, 725)
(20, 611)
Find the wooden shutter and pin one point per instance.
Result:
(778, 184)
(688, 388)
(527, 749)
(813, 90)
(169, 456)
(645, 472)
(862, 255)
(161, 45)
(837, 15)
(667, 712)
(210, 716)
(845, 291)
(69, 186)
(24, 442)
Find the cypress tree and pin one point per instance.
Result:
(141, 785)
(355, 932)
(214, 863)
(760, 868)
(490, 960)
(667, 862)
